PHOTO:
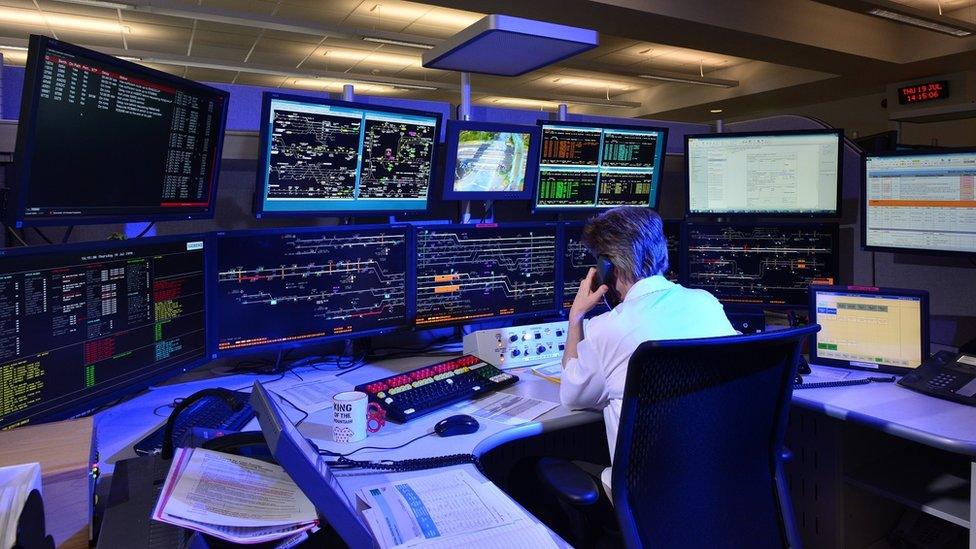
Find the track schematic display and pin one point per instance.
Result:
(588, 166)
(78, 324)
(466, 273)
(763, 264)
(577, 260)
(285, 287)
(325, 157)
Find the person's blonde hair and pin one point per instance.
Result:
(633, 240)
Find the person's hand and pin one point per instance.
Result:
(586, 299)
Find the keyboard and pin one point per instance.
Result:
(210, 413)
(413, 394)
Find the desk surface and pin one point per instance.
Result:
(121, 426)
(895, 410)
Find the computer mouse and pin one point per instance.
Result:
(456, 425)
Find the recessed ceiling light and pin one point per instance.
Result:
(920, 22)
(404, 43)
(58, 20)
(715, 83)
(715, 111)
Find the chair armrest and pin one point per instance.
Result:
(568, 482)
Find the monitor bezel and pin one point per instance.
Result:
(733, 306)
(555, 310)
(259, 207)
(214, 299)
(656, 177)
(864, 203)
(924, 312)
(454, 127)
(26, 138)
(837, 213)
(67, 410)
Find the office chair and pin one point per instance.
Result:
(699, 453)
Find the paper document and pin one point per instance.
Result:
(234, 498)
(16, 484)
(315, 395)
(508, 409)
(553, 371)
(450, 509)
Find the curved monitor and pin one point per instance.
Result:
(490, 161)
(328, 157)
(765, 174)
(919, 201)
(592, 166)
(102, 140)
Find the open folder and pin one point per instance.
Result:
(441, 509)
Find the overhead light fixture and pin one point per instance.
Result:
(127, 58)
(598, 103)
(920, 22)
(410, 86)
(13, 48)
(404, 43)
(38, 19)
(715, 111)
(100, 4)
(715, 83)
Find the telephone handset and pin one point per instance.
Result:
(605, 275)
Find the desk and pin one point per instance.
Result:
(123, 425)
(865, 452)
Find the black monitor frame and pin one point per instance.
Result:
(864, 202)
(67, 410)
(924, 313)
(768, 214)
(454, 129)
(656, 176)
(264, 150)
(213, 301)
(26, 137)
(732, 306)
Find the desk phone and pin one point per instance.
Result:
(947, 375)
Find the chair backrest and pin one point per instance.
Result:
(698, 455)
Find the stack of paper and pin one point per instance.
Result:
(450, 509)
(16, 483)
(237, 499)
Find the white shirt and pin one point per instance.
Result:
(653, 309)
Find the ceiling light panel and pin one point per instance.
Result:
(413, 13)
(590, 83)
(372, 57)
(37, 21)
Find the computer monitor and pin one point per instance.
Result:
(281, 288)
(787, 173)
(327, 157)
(761, 264)
(587, 166)
(577, 260)
(869, 328)
(84, 324)
(490, 161)
(471, 273)
(102, 140)
(916, 201)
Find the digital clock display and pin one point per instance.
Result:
(919, 93)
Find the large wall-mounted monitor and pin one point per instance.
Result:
(84, 324)
(916, 201)
(280, 288)
(326, 157)
(761, 264)
(586, 166)
(490, 161)
(102, 140)
(786, 173)
(471, 273)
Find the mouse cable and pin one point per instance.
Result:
(338, 455)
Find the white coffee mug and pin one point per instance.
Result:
(349, 416)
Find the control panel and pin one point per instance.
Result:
(518, 345)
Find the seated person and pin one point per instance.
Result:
(650, 308)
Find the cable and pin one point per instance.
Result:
(874, 271)
(146, 230)
(347, 454)
(17, 236)
(42, 235)
(67, 234)
(292, 404)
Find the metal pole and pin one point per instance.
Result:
(718, 125)
(562, 113)
(348, 92)
(466, 115)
